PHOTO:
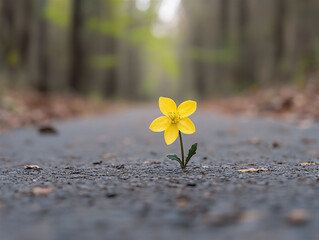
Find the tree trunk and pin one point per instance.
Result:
(111, 83)
(279, 30)
(76, 48)
(42, 80)
(24, 31)
(246, 71)
(223, 22)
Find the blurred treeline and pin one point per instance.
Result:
(133, 49)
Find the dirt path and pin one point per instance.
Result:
(108, 178)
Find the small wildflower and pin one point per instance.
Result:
(174, 123)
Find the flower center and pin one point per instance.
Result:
(175, 117)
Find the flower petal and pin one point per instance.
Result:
(171, 133)
(160, 124)
(186, 108)
(185, 125)
(166, 105)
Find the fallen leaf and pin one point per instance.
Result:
(47, 129)
(252, 170)
(41, 190)
(151, 162)
(298, 217)
(32, 167)
(307, 164)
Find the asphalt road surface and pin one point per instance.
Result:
(108, 178)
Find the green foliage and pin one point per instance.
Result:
(163, 55)
(114, 22)
(104, 61)
(134, 30)
(58, 12)
(175, 158)
(202, 55)
(221, 55)
(191, 152)
(114, 28)
(13, 58)
(140, 35)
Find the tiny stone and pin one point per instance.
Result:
(110, 194)
(97, 163)
(120, 166)
(276, 144)
(191, 184)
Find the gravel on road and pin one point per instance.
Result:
(109, 178)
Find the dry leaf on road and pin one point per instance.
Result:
(307, 164)
(32, 167)
(252, 170)
(41, 190)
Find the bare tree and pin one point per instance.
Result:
(76, 47)
(42, 80)
(245, 65)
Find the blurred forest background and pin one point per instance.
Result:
(142, 49)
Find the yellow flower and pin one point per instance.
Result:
(175, 119)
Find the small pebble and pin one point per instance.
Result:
(97, 163)
(191, 184)
(276, 144)
(120, 166)
(110, 194)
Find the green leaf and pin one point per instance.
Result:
(174, 158)
(191, 152)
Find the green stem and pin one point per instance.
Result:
(182, 150)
